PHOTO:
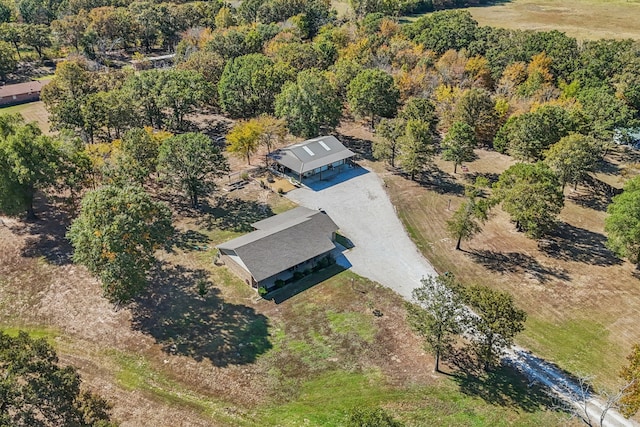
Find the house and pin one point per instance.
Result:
(146, 63)
(20, 93)
(312, 157)
(292, 241)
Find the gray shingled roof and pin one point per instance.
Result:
(282, 241)
(311, 154)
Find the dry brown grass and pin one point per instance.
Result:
(583, 302)
(582, 19)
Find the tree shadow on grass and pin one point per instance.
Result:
(188, 240)
(516, 262)
(199, 326)
(46, 235)
(441, 182)
(505, 386)
(236, 214)
(360, 146)
(590, 199)
(570, 243)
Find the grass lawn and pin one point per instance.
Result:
(32, 112)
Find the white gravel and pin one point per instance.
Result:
(358, 204)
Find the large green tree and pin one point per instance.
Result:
(476, 108)
(309, 105)
(116, 235)
(438, 314)
(458, 144)
(532, 195)
(29, 161)
(37, 391)
(249, 85)
(373, 93)
(494, 323)
(623, 222)
(416, 147)
(574, 157)
(191, 162)
(138, 156)
(387, 144)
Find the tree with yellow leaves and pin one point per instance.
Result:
(244, 139)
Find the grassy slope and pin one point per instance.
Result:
(32, 112)
(581, 305)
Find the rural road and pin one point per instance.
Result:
(358, 203)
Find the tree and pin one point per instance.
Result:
(249, 85)
(623, 222)
(37, 391)
(458, 144)
(243, 140)
(420, 109)
(464, 223)
(366, 417)
(532, 195)
(115, 237)
(476, 108)
(138, 157)
(7, 62)
(529, 135)
(387, 145)
(438, 314)
(416, 147)
(494, 323)
(37, 37)
(181, 92)
(309, 105)
(630, 401)
(273, 131)
(373, 93)
(191, 161)
(573, 157)
(28, 162)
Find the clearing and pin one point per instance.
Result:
(582, 19)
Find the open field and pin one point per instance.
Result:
(583, 302)
(582, 19)
(32, 112)
(230, 357)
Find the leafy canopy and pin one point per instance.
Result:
(115, 237)
(190, 162)
(532, 195)
(36, 391)
(623, 222)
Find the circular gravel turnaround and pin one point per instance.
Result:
(356, 201)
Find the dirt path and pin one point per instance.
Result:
(357, 202)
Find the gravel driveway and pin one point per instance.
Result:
(357, 202)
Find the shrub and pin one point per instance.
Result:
(279, 283)
(297, 275)
(262, 291)
(244, 176)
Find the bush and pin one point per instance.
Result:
(279, 283)
(262, 291)
(244, 176)
(297, 275)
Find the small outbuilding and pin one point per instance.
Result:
(20, 93)
(312, 156)
(292, 241)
